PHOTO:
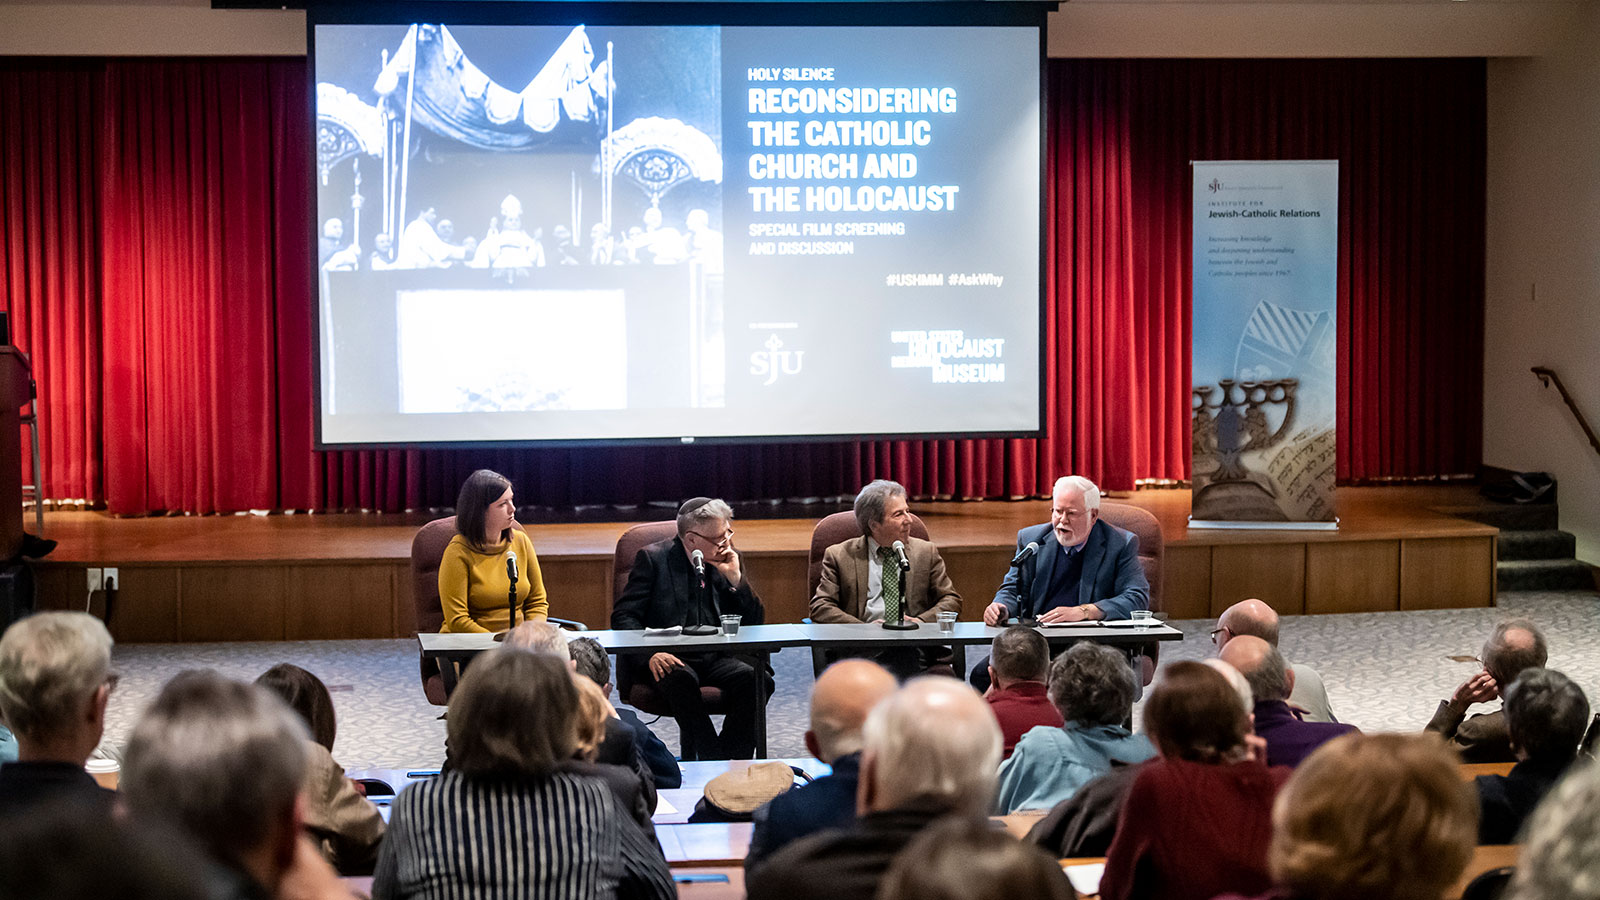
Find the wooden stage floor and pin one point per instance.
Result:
(212, 578)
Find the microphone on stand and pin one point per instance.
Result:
(900, 623)
(698, 560)
(1025, 553)
(1025, 610)
(511, 593)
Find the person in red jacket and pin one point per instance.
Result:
(1198, 818)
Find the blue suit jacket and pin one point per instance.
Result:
(828, 802)
(1112, 577)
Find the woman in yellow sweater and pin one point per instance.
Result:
(474, 579)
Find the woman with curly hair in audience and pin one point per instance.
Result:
(1380, 817)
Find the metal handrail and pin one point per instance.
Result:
(1548, 375)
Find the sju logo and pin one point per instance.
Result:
(775, 361)
(1215, 185)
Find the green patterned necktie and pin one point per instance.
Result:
(891, 584)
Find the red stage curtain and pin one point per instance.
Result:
(157, 236)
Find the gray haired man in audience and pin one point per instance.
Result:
(1289, 739)
(1513, 646)
(1546, 715)
(931, 750)
(1257, 619)
(55, 678)
(222, 762)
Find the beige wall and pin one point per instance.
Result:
(1544, 269)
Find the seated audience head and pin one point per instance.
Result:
(514, 713)
(540, 637)
(485, 509)
(55, 678)
(1514, 645)
(594, 710)
(73, 851)
(933, 743)
(840, 701)
(1381, 817)
(223, 762)
(1074, 508)
(1262, 666)
(1091, 684)
(1018, 654)
(1247, 697)
(1546, 715)
(967, 859)
(1247, 617)
(883, 513)
(705, 524)
(1561, 845)
(307, 696)
(591, 661)
(1193, 713)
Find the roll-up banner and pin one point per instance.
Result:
(1266, 244)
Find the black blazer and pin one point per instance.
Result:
(657, 593)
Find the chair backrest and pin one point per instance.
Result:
(1147, 528)
(835, 529)
(427, 551)
(628, 546)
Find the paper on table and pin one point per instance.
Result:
(663, 808)
(1086, 878)
(670, 629)
(1082, 623)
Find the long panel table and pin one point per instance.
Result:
(452, 650)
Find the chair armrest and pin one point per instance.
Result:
(568, 624)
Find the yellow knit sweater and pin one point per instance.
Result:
(473, 586)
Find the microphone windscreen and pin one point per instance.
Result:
(1033, 547)
(899, 546)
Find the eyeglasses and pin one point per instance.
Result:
(723, 541)
(1215, 632)
(111, 681)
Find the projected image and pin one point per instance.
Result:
(484, 159)
(546, 350)
(587, 232)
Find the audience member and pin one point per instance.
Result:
(594, 663)
(1546, 715)
(1561, 846)
(8, 745)
(664, 590)
(1289, 740)
(1085, 823)
(223, 762)
(1019, 663)
(617, 746)
(1257, 619)
(506, 821)
(930, 750)
(860, 579)
(1197, 819)
(1514, 645)
(966, 859)
(1092, 687)
(594, 715)
(345, 825)
(840, 701)
(1380, 817)
(55, 678)
(69, 851)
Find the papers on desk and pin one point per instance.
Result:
(663, 632)
(1085, 878)
(1082, 623)
(663, 808)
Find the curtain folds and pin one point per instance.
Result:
(156, 240)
